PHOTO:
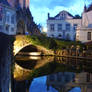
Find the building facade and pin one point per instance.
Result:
(63, 26)
(84, 33)
(24, 18)
(7, 19)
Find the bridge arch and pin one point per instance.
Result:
(22, 42)
(29, 48)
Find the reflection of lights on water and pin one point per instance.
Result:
(35, 57)
(34, 53)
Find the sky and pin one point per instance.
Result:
(39, 85)
(41, 8)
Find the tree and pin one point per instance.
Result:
(77, 17)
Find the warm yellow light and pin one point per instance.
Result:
(44, 29)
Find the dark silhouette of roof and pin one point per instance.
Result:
(74, 17)
(66, 12)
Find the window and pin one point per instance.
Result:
(52, 35)
(88, 77)
(59, 35)
(59, 77)
(67, 37)
(1, 13)
(12, 29)
(89, 36)
(12, 19)
(7, 17)
(59, 27)
(7, 28)
(51, 77)
(1, 27)
(63, 16)
(68, 27)
(52, 27)
(74, 26)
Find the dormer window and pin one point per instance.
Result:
(63, 16)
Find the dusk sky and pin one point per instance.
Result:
(40, 8)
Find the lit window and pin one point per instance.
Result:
(89, 36)
(59, 27)
(68, 27)
(52, 27)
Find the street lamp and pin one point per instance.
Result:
(72, 48)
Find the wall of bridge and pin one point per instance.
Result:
(5, 63)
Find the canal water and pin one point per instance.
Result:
(52, 74)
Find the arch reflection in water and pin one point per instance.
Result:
(47, 65)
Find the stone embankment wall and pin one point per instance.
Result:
(5, 63)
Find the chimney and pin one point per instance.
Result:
(85, 8)
(48, 15)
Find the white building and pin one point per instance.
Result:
(84, 33)
(63, 26)
(7, 18)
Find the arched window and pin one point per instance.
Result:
(59, 36)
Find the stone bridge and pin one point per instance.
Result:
(21, 41)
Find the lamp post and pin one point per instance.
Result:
(72, 49)
(77, 52)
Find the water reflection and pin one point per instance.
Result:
(63, 82)
(67, 81)
(39, 85)
(59, 75)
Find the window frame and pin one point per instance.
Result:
(88, 35)
(52, 27)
